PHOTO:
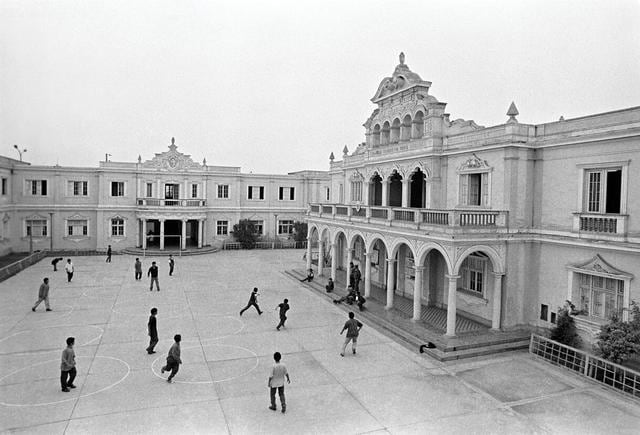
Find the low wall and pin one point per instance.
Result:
(10, 270)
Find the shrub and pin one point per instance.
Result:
(299, 231)
(619, 340)
(565, 331)
(245, 233)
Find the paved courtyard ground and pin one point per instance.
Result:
(222, 385)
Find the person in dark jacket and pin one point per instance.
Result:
(55, 262)
(108, 260)
(153, 273)
(283, 307)
(173, 358)
(153, 331)
(253, 301)
(329, 287)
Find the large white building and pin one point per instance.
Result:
(498, 226)
(168, 202)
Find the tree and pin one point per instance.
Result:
(565, 331)
(619, 340)
(299, 231)
(245, 233)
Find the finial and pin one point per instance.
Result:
(345, 150)
(173, 141)
(139, 159)
(512, 113)
(401, 58)
(332, 157)
(561, 118)
(204, 162)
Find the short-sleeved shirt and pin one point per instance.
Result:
(68, 360)
(283, 309)
(352, 326)
(278, 373)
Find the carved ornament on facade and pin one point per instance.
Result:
(172, 160)
(357, 175)
(599, 265)
(474, 163)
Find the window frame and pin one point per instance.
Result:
(29, 226)
(250, 193)
(285, 223)
(36, 189)
(259, 226)
(223, 191)
(469, 275)
(115, 226)
(70, 228)
(119, 192)
(222, 228)
(80, 186)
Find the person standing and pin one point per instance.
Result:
(283, 307)
(108, 260)
(68, 366)
(138, 268)
(55, 262)
(43, 295)
(69, 269)
(173, 358)
(276, 382)
(356, 278)
(352, 326)
(153, 331)
(172, 264)
(253, 301)
(153, 273)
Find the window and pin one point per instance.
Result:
(285, 227)
(259, 227)
(544, 312)
(222, 228)
(37, 187)
(600, 296)
(117, 227)
(117, 188)
(603, 190)
(474, 189)
(356, 191)
(255, 192)
(4, 186)
(473, 272)
(223, 191)
(78, 188)
(194, 191)
(149, 190)
(36, 227)
(77, 227)
(287, 193)
(171, 191)
(328, 194)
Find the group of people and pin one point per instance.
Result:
(282, 307)
(152, 273)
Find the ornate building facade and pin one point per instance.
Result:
(497, 225)
(168, 202)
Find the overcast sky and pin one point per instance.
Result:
(276, 86)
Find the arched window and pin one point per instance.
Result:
(405, 128)
(418, 126)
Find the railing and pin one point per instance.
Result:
(155, 202)
(327, 209)
(478, 219)
(358, 211)
(600, 224)
(435, 217)
(600, 370)
(404, 215)
(276, 244)
(379, 213)
(341, 210)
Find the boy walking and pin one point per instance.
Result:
(153, 331)
(69, 269)
(68, 366)
(108, 260)
(352, 326)
(153, 273)
(253, 301)
(173, 358)
(276, 382)
(138, 268)
(43, 295)
(172, 264)
(284, 307)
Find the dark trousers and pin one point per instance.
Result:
(154, 278)
(272, 392)
(67, 377)
(249, 305)
(69, 276)
(108, 259)
(170, 270)
(152, 343)
(138, 275)
(173, 366)
(282, 320)
(55, 268)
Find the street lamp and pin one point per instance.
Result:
(20, 151)
(106, 157)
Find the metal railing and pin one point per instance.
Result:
(599, 224)
(598, 369)
(156, 202)
(279, 244)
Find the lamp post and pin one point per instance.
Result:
(106, 157)
(20, 152)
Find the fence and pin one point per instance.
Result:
(600, 370)
(279, 244)
(13, 268)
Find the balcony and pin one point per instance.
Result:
(597, 224)
(155, 202)
(415, 218)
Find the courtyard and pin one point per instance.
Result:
(222, 385)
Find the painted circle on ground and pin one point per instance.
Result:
(4, 401)
(241, 371)
(237, 331)
(88, 342)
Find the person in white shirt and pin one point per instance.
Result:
(69, 269)
(276, 382)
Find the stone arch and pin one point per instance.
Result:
(405, 128)
(393, 249)
(384, 133)
(375, 189)
(417, 128)
(395, 131)
(376, 135)
(395, 189)
(424, 250)
(497, 262)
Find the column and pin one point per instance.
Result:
(162, 234)
(349, 261)
(320, 257)
(451, 305)
(308, 254)
(334, 262)
(365, 193)
(417, 293)
(367, 275)
(391, 279)
(385, 193)
(497, 301)
(200, 228)
(183, 237)
(159, 193)
(144, 234)
(406, 190)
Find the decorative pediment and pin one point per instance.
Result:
(76, 217)
(598, 265)
(35, 217)
(357, 176)
(402, 78)
(172, 160)
(474, 163)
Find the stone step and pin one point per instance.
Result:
(157, 253)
